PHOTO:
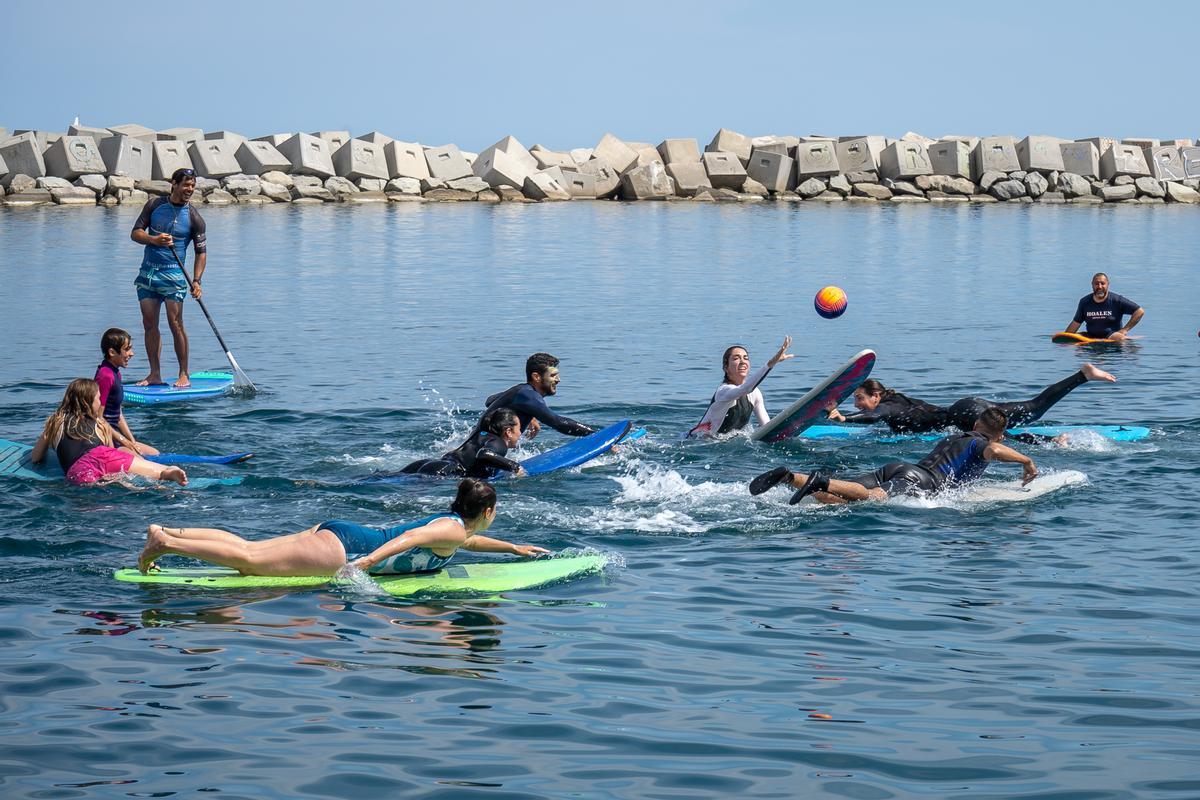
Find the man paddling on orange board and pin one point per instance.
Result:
(1102, 311)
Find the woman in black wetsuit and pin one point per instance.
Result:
(903, 414)
(480, 456)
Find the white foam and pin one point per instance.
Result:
(980, 493)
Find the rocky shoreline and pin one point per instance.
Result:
(126, 164)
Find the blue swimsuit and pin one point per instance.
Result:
(360, 540)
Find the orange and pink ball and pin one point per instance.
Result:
(830, 302)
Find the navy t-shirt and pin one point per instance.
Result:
(1104, 319)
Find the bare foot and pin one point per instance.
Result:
(1093, 373)
(182, 382)
(174, 474)
(156, 547)
(152, 379)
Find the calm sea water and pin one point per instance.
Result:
(966, 647)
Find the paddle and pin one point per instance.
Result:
(240, 379)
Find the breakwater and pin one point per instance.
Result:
(126, 164)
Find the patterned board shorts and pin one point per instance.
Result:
(157, 284)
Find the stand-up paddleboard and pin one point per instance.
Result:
(184, 458)
(14, 462)
(204, 384)
(834, 389)
(455, 579)
(1062, 337)
(1117, 433)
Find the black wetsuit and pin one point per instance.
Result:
(482, 455)
(905, 415)
(955, 459)
(527, 404)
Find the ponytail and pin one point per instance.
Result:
(474, 499)
(499, 420)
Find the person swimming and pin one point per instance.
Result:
(904, 414)
(424, 545)
(738, 397)
(482, 455)
(959, 458)
(527, 400)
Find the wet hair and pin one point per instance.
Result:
(74, 416)
(725, 359)
(474, 498)
(538, 363)
(872, 386)
(498, 420)
(114, 339)
(993, 421)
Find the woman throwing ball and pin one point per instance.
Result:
(738, 397)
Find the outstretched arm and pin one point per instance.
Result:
(485, 544)
(441, 534)
(999, 452)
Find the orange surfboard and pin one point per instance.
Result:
(1062, 337)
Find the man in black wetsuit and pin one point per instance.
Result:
(525, 399)
(1103, 310)
(957, 459)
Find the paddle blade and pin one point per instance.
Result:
(241, 381)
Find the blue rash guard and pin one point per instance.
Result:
(160, 274)
(1104, 319)
(361, 540)
(956, 459)
(527, 404)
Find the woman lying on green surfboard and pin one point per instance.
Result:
(323, 549)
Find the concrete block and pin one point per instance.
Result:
(648, 181)
(514, 149)
(52, 182)
(912, 136)
(816, 159)
(1165, 163)
(98, 134)
(274, 139)
(187, 135)
(608, 180)
(549, 158)
(994, 154)
(690, 177)
(1101, 143)
(874, 143)
(405, 160)
(446, 163)
(135, 131)
(214, 158)
(469, 157)
(769, 144)
(969, 141)
(308, 155)
(582, 155)
(725, 170)
(499, 168)
(1177, 143)
(43, 139)
(375, 137)
(1081, 158)
(856, 155)
(772, 170)
(647, 155)
(359, 159)
(1123, 159)
(951, 158)
(905, 158)
(235, 139)
(3, 172)
(72, 156)
(168, 156)
(1145, 144)
(581, 185)
(679, 151)
(255, 158)
(1040, 154)
(23, 156)
(1190, 156)
(727, 141)
(334, 139)
(617, 153)
(125, 155)
(545, 186)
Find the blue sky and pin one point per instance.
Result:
(564, 73)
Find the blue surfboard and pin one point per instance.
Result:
(1117, 433)
(14, 462)
(184, 458)
(204, 384)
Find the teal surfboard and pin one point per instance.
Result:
(14, 462)
(485, 578)
(1118, 433)
(204, 384)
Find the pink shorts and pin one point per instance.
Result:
(98, 462)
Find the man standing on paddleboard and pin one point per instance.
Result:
(165, 227)
(1102, 311)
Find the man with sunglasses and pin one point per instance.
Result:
(165, 227)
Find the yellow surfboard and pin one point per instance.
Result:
(1062, 337)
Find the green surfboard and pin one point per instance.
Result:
(455, 579)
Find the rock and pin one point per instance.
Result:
(215, 158)
(308, 201)
(21, 183)
(449, 195)
(1178, 193)
(834, 197)
(1123, 180)
(989, 179)
(277, 177)
(205, 185)
(770, 169)
(72, 156)
(690, 177)
(1192, 183)
(648, 182)
(873, 190)
(862, 177)
(908, 198)
(1018, 175)
(1123, 160)
(1008, 189)
(107, 200)
(1151, 201)
(951, 158)
(840, 184)
(1112, 194)
(948, 184)
(983, 198)
(725, 170)
(1072, 185)
(470, 184)
(340, 186)
(134, 197)
(404, 186)
(74, 195)
(753, 187)
(1040, 154)
(902, 160)
(811, 187)
(406, 160)
(116, 183)
(903, 188)
(430, 184)
(276, 191)
(308, 155)
(259, 158)
(53, 183)
(510, 195)
(399, 197)
(1052, 197)
(97, 183)
(219, 197)
(727, 141)
(704, 196)
(487, 196)
(307, 180)
(1150, 187)
(253, 199)
(369, 196)
(29, 197)
(155, 188)
(307, 191)
(243, 185)
(1035, 184)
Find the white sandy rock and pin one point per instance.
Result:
(1179, 193)
(97, 183)
(404, 186)
(1150, 187)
